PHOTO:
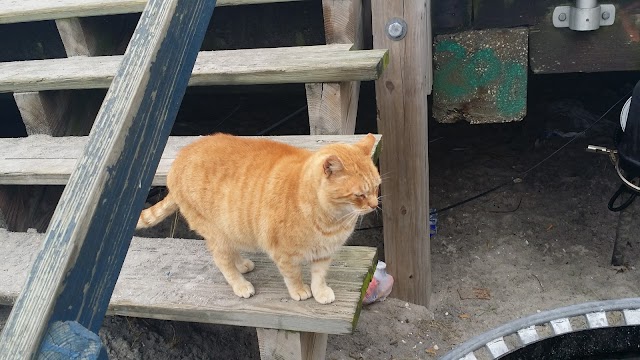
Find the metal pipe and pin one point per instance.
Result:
(586, 4)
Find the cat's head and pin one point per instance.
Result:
(350, 179)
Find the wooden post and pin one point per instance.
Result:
(333, 107)
(290, 345)
(75, 272)
(401, 94)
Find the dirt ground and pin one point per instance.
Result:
(542, 243)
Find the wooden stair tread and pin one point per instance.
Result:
(175, 279)
(46, 160)
(300, 64)
(14, 11)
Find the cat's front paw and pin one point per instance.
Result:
(324, 295)
(244, 289)
(302, 293)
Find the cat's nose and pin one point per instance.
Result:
(373, 203)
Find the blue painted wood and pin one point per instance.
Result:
(70, 340)
(74, 273)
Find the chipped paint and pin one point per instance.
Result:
(481, 76)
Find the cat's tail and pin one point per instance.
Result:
(158, 212)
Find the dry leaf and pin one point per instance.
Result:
(464, 316)
(431, 351)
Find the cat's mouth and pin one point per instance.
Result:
(365, 211)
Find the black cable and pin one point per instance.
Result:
(622, 189)
(515, 180)
(280, 122)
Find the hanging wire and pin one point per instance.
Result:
(518, 179)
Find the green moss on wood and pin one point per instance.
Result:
(363, 290)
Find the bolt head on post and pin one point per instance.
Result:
(396, 29)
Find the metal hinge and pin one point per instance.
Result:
(587, 15)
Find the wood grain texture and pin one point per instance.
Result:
(176, 279)
(401, 94)
(45, 160)
(13, 11)
(305, 64)
(333, 107)
(59, 113)
(77, 39)
(24, 207)
(287, 345)
(74, 273)
(314, 345)
(55, 113)
(279, 344)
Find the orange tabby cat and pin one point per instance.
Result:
(251, 194)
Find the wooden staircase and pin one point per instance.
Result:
(49, 156)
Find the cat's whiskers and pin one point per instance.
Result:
(348, 214)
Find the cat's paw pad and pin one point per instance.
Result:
(245, 266)
(302, 293)
(244, 289)
(324, 295)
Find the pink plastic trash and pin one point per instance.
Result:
(380, 285)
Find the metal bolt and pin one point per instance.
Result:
(396, 29)
(605, 15)
(562, 17)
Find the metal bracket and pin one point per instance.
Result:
(587, 15)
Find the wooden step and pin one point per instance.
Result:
(46, 160)
(175, 279)
(14, 11)
(300, 64)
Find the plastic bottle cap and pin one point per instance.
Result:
(381, 265)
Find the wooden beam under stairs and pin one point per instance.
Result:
(46, 160)
(14, 11)
(304, 64)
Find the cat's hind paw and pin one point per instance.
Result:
(244, 289)
(324, 295)
(302, 293)
(245, 266)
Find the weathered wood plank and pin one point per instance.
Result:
(333, 107)
(302, 64)
(75, 271)
(481, 76)
(56, 113)
(45, 160)
(13, 11)
(401, 94)
(176, 279)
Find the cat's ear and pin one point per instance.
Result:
(331, 164)
(367, 143)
